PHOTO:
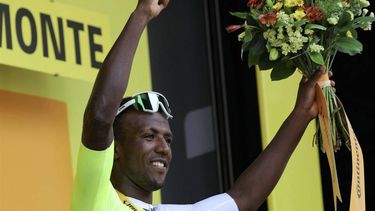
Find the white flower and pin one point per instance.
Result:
(333, 20)
(285, 49)
(316, 48)
(309, 31)
(283, 17)
(364, 3)
(280, 33)
(367, 26)
(364, 11)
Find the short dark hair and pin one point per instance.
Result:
(118, 120)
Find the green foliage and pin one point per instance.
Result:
(348, 45)
(345, 23)
(315, 26)
(282, 71)
(256, 49)
(316, 57)
(241, 15)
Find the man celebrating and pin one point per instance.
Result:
(122, 174)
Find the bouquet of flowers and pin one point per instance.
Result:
(305, 35)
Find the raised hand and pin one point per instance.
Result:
(112, 79)
(306, 94)
(151, 8)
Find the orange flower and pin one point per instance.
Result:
(314, 13)
(255, 4)
(268, 18)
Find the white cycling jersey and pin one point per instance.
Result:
(221, 202)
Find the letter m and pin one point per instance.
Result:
(5, 21)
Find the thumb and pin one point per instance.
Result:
(316, 76)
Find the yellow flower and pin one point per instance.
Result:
(349, 34)
(277, 6)
(299, 14)
(241, 36)
(293, 3)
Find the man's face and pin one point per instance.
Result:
(145, 152)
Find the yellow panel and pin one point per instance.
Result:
(73, 92)
(35, 164)
(300, 186)
(75, 39)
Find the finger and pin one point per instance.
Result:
(330, 73)
(333, 83)
(163, 2)
(304, 79)
(315, 78)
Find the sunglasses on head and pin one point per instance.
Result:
(148, 102)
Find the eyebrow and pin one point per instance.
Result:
(167, 134)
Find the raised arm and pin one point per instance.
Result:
(258, 180)
(112, 79)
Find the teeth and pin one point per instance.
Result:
(158, 164)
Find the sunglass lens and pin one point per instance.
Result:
(147, 104)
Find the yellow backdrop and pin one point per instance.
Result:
(23, 77)
(35, 160)
(300, 186)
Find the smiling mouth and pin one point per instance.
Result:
(159, 164)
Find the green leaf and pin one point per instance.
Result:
(354, 33)
(259, 44)
(248, 35)
(256, 48)
(316, 57)
(364, 19)
(247, 39)
(299, 23)
(251, 21)
(265, 63)
(315, 26)
(348, 45)
(241, 15)
(245, 46)
(316, 39)
(252, 59)
(269, 3)
(344, 24)
(280, 24)
(282, 70)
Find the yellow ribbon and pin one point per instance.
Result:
(357, 199)
(325, 128)
(357, 196)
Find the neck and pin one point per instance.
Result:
(127, 187)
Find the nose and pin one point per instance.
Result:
(162, 146)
